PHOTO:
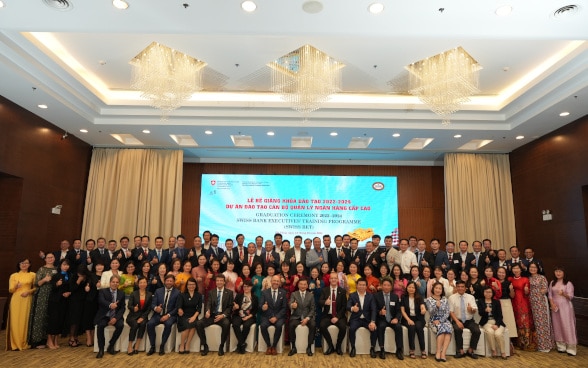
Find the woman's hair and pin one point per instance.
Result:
(562, 269)
(191, 279)
(417, 296)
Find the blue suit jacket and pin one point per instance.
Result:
(104, 301)
(368, 310)
(277, 309)
(172, 302)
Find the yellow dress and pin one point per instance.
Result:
(20, 309)
(181, 280)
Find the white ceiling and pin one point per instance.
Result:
(76, 62)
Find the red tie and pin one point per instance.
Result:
(267, 257)
(240, 253)
(250, 260)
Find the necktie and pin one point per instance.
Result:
(215, 252)
(420, 257)
(165, 300)
(230, 254)
(333, 303)
(450, 257)
(267, 257)
(159, 255)
(110, 313)
(218, 300)
(77, 251)
(240, 253)
(275, 296)
(462, 308)
(387, 301)
(352, 254)
(302, 295)
(250, 260)
(102, 251)
(477, 257)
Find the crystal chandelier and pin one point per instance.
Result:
(166, 77)
(445, 81)
(305, 78)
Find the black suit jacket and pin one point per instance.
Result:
(256, 259)
(428, 257)
(496, 312)
(226, 302)
(369, 310)
(254, 304)
(440, 259)
(370, 261)
(172, 302)
(340, 302)
(358, 256)
(134, 299)
(290, 253)
(394, 306)
(74, 261)
(468, 262)
(275, 262)
(104, 301)
(404, 303)
(334, 258)
(455, 263)
(124, 259)
(277, 309)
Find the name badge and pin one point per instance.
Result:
(456, 261)
(392, 303)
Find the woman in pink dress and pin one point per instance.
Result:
(561, 293)
(540, 309)
(522, 310)
(399, 285)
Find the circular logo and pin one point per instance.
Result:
(378, 185)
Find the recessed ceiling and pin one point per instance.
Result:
(535, 65)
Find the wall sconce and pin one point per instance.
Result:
(547, 215)
(56, 210)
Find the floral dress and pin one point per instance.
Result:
(440, 314)
(540, 309)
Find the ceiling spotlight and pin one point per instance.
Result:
(270, 133)
(519, 137)
(84, 130)
(396, 135)
(208, 132)
(334, 134)
(565, 113)
(120, 4)
(146, 131)
(504, 10)
(1, 4)
(457, 136)
(376, 8)
(248, 6)
(42, 106)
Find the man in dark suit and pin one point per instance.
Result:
(196, 250)
(479, 258)
(465, 258)
(424, 257)
(356, 255)
(274, 304)
(363, 314)
(143, 253)
(501, 261)
(338, 253)
(453, 258)
(124, 254)
(530, 258)
(63, 253)
(303, 312)
(78, 255)
(371, 259)
(251, 258)
(218, 310)
(270, 256)
(98, 254)
(230, 254)
(110, 254)
(111, 307)
(214, 252)
(333, 301)
(180, 252)
(165, 310)
(158, 255)
(438, 256)
(388, 306)
(296, 254)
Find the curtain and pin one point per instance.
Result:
(133, 192)
(478, 197)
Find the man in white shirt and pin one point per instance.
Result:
(407, 258)
(462, 308)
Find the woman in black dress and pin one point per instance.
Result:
(189, 307)
(244, 312)
(76, 303)
(58, 300)
(91, 302)
(139, 307)
(413, 317)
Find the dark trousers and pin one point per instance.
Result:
(265, 323)
(324, 328)
(102, 323)
(242, 328)
(354, 324)
(471, 325)
(167, 326)
(417, 329)
(381, 331)
(137, 329)
(311, 324)
(224, 323)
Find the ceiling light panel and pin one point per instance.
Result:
(184, 140)
(242, 140)
(360, 142)
(127, 139)
(301, 142)
(418, 143)
(475, 144)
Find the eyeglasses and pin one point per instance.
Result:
(24, 263)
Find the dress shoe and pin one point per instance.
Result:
(339, 350)
(274, 351)
(309, 351)
(100, 354)
(352, 353)
(382, 354)
(268, 351)
(372, 353)
(111, 350)
(399, 355)
(221, 352)
(162, 351)
(292, 351)
(204, 350)
(329, 351)
(459, 355)
(151, 351)
(135, 351)
(473, 355)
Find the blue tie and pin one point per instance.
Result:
(388, 316)
(463, 309)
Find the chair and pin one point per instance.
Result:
(333, 331)
(302, 339)
(213, 337)
(389, 341)
(108, 331)
(262, 347)
(362, 341)
(451, 349)
(194, 345)
(250, 340)
(171, 341)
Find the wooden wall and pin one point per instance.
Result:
(549, 173)
(38, 170)
(421, 197)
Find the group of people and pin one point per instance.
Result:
(313, 283)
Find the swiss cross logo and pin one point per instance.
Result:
(212, 182)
